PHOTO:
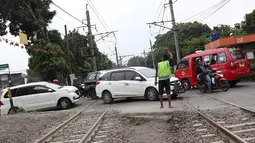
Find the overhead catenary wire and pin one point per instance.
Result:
(204, 11)
(214, 11)
(100, 18)
(67, 12)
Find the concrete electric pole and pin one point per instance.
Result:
(68, 52)
(175, 32)
(91, 40)
(117, 57)
(152, 55)
(144, 56)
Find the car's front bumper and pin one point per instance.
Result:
(177, 87)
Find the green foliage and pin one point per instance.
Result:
(136, 61)
(28, 16)
(192, 36)
(252, 75)
(249, 24)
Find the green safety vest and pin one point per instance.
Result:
(164, 70)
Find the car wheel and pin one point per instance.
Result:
(107, 97)
(233, 83)
(186, 84)
(152, 94)
(93, 95)
(64, 103)
(174, 95)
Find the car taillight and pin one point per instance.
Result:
(1, 103)
(97, 82)
(232, 65)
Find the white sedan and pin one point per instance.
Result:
(39, 95)
(132, 82)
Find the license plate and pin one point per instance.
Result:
(241, 64)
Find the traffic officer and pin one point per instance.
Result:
(163, 73)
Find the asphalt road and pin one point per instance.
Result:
(243, 94)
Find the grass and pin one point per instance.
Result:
(136, 121)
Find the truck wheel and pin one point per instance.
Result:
(93, 95)
(186, 84)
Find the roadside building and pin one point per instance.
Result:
(16, 79)
(246, 43)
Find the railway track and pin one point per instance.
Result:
(83, 127)
(228, 129)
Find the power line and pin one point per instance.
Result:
(214, 11)
(66, 12)
(202, 12)
(100, 18)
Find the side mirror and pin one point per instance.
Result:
(138, 78)
(50, 90)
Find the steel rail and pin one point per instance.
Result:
(222, 129)
(49, 135)
(90, 132)
(235, 105)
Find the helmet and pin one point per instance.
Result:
(55, 81)
(198, 59)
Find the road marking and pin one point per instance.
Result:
(239, 125)
(220, 122)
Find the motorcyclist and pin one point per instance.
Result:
(205, 71)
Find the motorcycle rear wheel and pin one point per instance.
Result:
(224, 85)
(202, 87)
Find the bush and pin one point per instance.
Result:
(251, 78)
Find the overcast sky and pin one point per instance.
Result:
(129, 17)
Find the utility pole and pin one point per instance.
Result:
(144, 55)
(152, 55)
(91, 41)
(117, 58)
(175, 32)
(68, 52)
(120, 61)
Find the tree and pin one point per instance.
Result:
(29, 16)
(226, 30)
(249, 24)
(50, 66)
(190, 36)
(136, 61)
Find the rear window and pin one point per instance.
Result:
(236, 53)
(184, 63)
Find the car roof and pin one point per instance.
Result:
(205, 53)
(28, 84)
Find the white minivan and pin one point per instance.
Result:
(39, 95)
(132, 82)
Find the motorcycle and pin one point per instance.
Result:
(218, 82)
(81, 89)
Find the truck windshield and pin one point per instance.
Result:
(236, 53)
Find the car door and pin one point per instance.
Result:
(116, 83)
(133, 87)
(46, 97)
(25, 97)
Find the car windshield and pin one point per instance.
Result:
(53, 86)
(236, 53)
(147, 72)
